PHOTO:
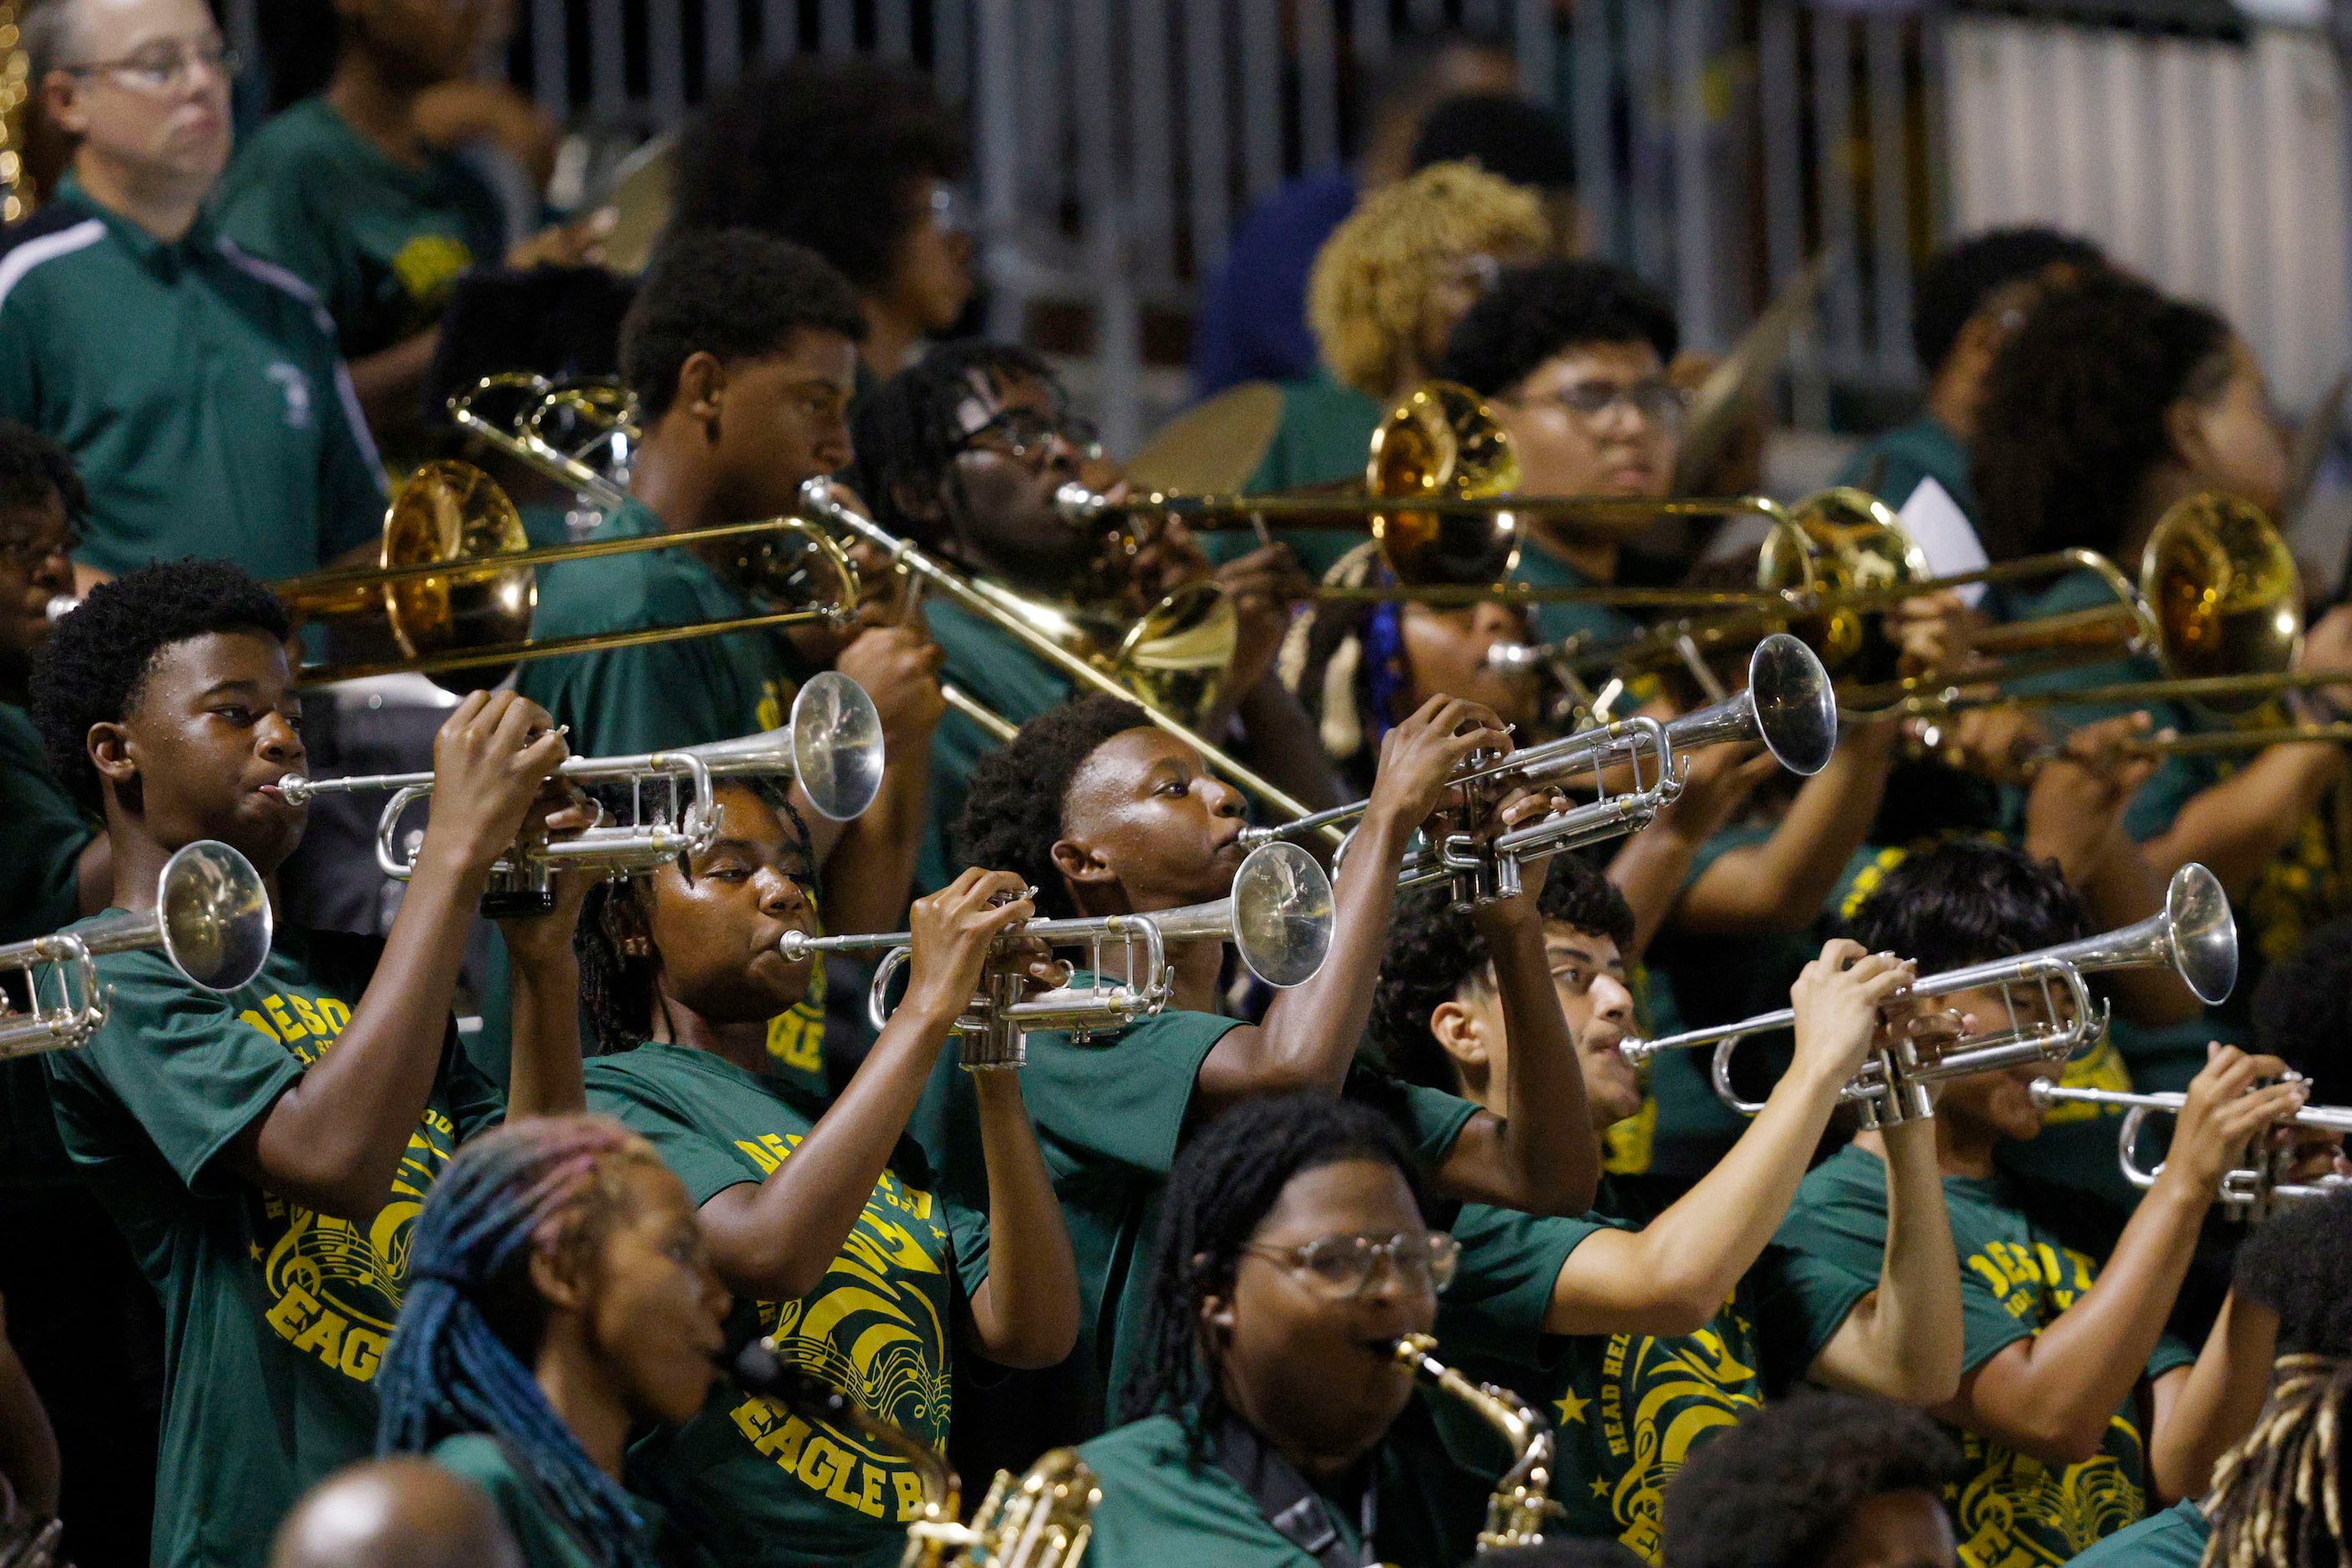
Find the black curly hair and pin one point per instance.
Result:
(1534, 313)
(1435, 955)
(97, 660)
(33, 468)
(2303, 1011)
(1777, 1490)
(2298, 1263)
(827, 153)
(1960, 278)
(1502, 133)
(733, 293)
(1012, 815)
(2073, 418)
(910, 428)
(1968, 901)
(1224, 1182)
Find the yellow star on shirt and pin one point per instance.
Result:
(1570, 1407)
(1599, 1486)
(257, 1252)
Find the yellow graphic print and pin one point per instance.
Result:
(2015, 1511)
(873, 1328)
(796, 1037)
(428, 267)
(2102, 1067)
(1658, 1397)
(334, 1287)
(1626, 1146)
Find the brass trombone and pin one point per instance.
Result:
(1279, 917)
(832, 746)
(2194, 935)
(2248, 1192)
(212, 919)
(606, 408)
(1521, 1503)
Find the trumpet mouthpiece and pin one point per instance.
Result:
(1513, 657)
(1076, 504)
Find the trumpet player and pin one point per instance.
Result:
(1268, 1419)
(1641, 1338)
(824, 1223)
(1104, 814)
(265, 1149)
(2060, 1346)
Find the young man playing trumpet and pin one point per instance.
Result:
(2064, 1356)
(1641, 1342)
(265, 1149)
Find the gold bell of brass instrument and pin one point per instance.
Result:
(2250, 1191)
(211, 920)
(1042, 1518)
(1521, 1503)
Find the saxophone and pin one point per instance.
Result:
(1521, 1501)
(1044, 1519)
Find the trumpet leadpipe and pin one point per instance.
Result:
(2047, 1093)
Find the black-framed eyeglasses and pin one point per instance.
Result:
(1656, 400)
(1029, 434)
(1342, 1267)
(165, 64)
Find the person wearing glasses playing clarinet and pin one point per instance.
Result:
(265, 1149)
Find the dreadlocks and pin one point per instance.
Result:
(1223, 1186)
(470, 1325)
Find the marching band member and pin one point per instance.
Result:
(199, 387)
(264, 1150)
(1104, 814)
(823, 1222)
(563, 1295)
(2058, 1343)
(1641, 1342)
(1269, 1422)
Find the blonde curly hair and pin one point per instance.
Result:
(1372, 277)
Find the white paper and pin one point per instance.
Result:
(1940, 529)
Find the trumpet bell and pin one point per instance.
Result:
(2204, 934)
(1444, 443)
(1282, 914)
(214, 914)
(2225, 593)
(836, 745)
(1796, 707)
(454, 512)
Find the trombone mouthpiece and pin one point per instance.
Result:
(1513, 657)
(60, 606)
(1076, 504)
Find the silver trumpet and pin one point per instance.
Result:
(211, 918)
(832, 745)
(2195, 936)
(1279, 917)
(1788, 705)
(2249, 1192)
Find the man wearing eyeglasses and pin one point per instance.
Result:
(198, 388)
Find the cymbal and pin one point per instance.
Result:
(1212, 447)
(640, 192)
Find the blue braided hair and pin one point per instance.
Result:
(471, 1319)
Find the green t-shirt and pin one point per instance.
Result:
(275, 1317)
(1539, 568)
(545, 1540)
(767, 1487)
(1891, 463)
(998, 672)
(42, 835)
(382, 243)
(1161, 1506)
(2015, 1277)
(628, 701)
(2173, 1539)
(1110, 1111)
(1627, 1408)
(197, 387)
(1324, 437)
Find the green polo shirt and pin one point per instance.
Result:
(987, 664)
(1539, 568)
(542, 1535)
(275, 1317)
(382, 243)
(765, 1486)
(2016, 1278)
(197, 387)
(2173, 1539)
(1891, 463)
(629, 701)
(1160, 1505)
(1324, 437)
(42, 835)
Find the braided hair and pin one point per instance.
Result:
(1224, 1182)
(2277, 1500)
(471, 1321)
